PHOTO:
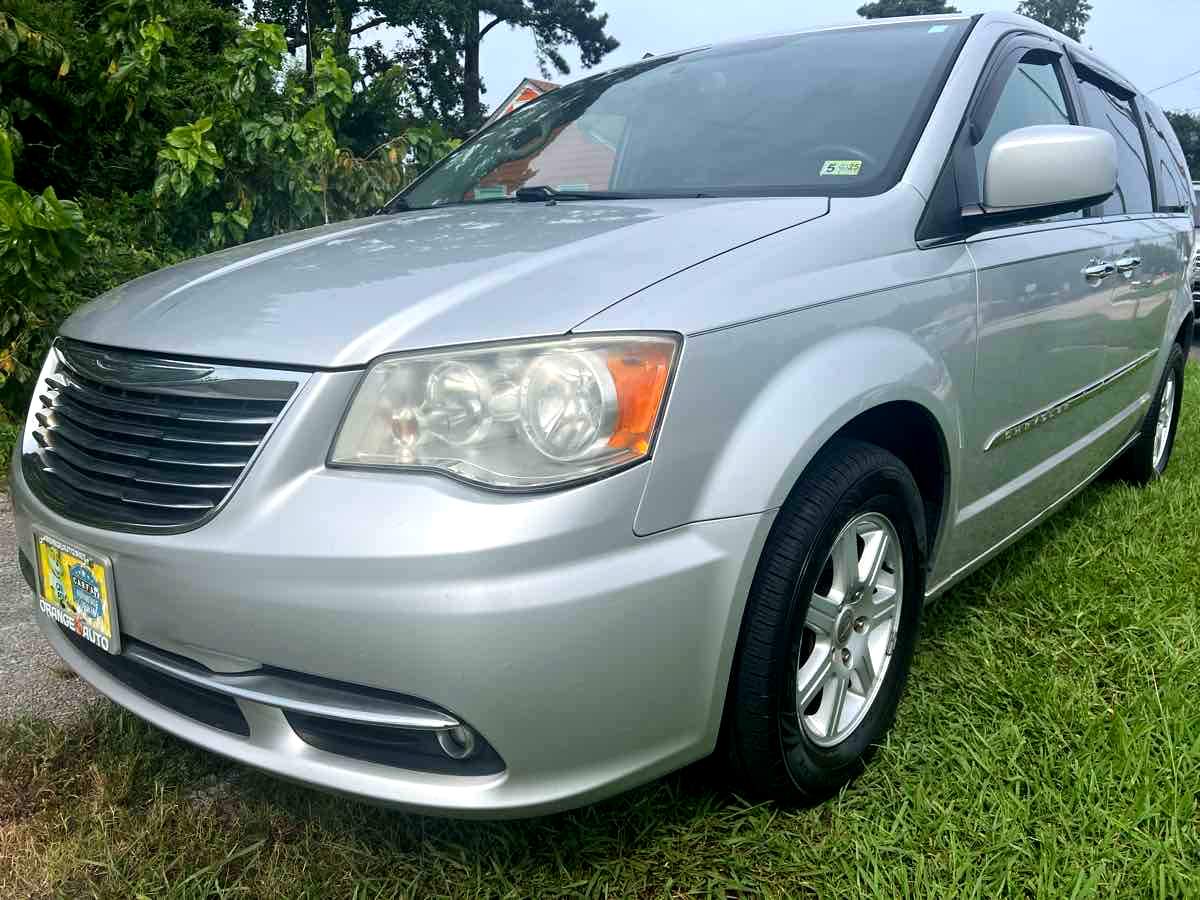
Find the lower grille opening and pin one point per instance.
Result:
(204, 706)
(455, 750)
(401, 747)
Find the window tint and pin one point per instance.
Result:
(1032, 96)
(1133, 174)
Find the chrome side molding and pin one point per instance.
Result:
(1053, 411)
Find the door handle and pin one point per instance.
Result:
(1128, 263)
(1099, 269)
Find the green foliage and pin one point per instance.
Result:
(887, 9)
(41, 243)
(253, 61)
(1187, 129)
(193, 156)
(179, 130)
(126, 237)
(136, 34)
(266, 157)
(428, 144)
(19, 40)
(137, 69)
(332, 83)
(1068, 16)
(40, 57)
(443, 40)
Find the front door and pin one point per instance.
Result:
(1039, 424)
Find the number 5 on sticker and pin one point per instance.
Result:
(841, 167)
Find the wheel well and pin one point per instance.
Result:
(1186, 335)
(910, 432)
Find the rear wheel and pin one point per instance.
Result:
(830, 627)
(1149, 455)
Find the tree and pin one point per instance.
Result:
(887, 9)
(1187, 129)
(41, 237)
(1068, 16)
(266, 157)
(554, 23)
(444, 38)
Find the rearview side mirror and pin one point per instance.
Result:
(1047, 170)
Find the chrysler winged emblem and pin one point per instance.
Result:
(127, 369)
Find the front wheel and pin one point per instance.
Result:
(830, 627)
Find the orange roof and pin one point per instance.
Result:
(528, 89)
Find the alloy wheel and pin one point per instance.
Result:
(850, 629)
(1162, 428)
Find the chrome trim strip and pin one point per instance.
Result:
(984, 557)
(300, 696)
(135, 370)
(1054, 410)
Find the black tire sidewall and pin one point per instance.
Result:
(847, 478)
(826, 768)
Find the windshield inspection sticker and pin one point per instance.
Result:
(841, 167)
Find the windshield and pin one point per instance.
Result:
(827, 112)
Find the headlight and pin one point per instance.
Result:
(515, 415)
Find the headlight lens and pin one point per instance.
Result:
(519, 415)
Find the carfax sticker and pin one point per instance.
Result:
(841, 167)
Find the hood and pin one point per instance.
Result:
(343, 294)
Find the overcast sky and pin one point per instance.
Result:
(1150, 41)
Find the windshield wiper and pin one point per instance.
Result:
(544, 193)
(395, 205)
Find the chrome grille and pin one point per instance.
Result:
(131, 441)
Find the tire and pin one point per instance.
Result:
(852, 491)
(1146, 460)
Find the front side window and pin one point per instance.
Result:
(1031, 96)
(825, 112)
(1108, 111)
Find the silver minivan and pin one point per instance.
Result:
(639, 428)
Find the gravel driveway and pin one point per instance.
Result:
(35, 681)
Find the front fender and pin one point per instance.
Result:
(752, 405)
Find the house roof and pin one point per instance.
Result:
(528, 89)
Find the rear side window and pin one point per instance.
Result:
(1106, 110)
(1171, 180)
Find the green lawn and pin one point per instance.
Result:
(1049, 745)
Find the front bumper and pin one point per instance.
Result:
(589, 658)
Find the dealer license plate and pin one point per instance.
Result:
(76, 591)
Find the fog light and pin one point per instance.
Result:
(457, 742)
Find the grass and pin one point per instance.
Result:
(1049, 745)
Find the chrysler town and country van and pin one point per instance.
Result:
(639, 428)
